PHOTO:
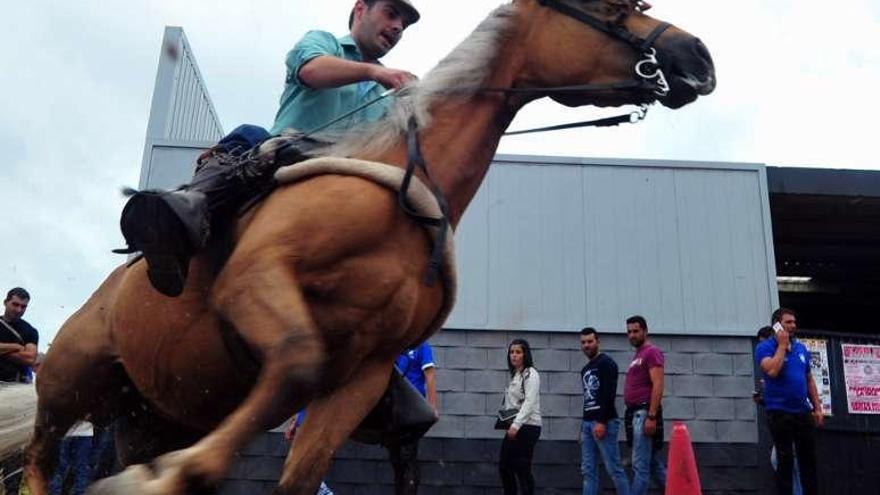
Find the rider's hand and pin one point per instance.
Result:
(391, 78)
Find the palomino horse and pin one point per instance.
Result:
(325, 286)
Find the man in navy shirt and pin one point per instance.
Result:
(791, 401)
(417, 366)
(600, 427)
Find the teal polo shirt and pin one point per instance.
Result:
(304, 108)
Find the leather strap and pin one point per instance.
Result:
(14, 332)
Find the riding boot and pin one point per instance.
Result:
(169, 227)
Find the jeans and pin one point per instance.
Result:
(243, 138)
(794, 432)
(609, 449)
(645, 461)
(515, 463)
(796, 473)
(72, 475)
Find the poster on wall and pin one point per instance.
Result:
(821, 370)
(861, 372)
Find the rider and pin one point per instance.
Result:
(326, 77)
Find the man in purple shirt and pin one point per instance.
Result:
(642, 394)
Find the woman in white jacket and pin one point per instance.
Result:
(523, 393)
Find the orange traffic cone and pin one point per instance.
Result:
(681, 475)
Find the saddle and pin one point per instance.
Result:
(402, 416)
(169, 227)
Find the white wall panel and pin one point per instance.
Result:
(556, 244)
(181, 115)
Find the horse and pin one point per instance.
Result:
(324, 286)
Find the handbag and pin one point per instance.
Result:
(504, 418)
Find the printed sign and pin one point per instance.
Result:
(821, 370)
(861, 371)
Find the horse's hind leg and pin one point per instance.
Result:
(328, 423)
(264, 302)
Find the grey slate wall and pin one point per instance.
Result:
(469, 467)
(708, 386)
(709, 381)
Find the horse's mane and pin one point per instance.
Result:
(465, 70)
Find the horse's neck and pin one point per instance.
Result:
(464, 134)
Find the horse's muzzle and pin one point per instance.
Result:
(689, 70)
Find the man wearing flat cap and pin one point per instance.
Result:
(328, 76)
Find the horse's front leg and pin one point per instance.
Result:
(328, 423)
(264, 302)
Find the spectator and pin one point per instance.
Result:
(518, 445)
(18, 339)
(73, 475)
(18, 352)
(600, 427)
(289, 435)
(417, 365)
(643, 420)
(764, 333)
(791, 401)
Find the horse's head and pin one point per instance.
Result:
(613, 43)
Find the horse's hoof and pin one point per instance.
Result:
(132, 481)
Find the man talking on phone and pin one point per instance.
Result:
(791, 401)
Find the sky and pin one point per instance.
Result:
(796, 87)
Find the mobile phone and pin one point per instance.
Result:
(777, 327)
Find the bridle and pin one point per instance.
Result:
(648, 73)
(647, 69)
